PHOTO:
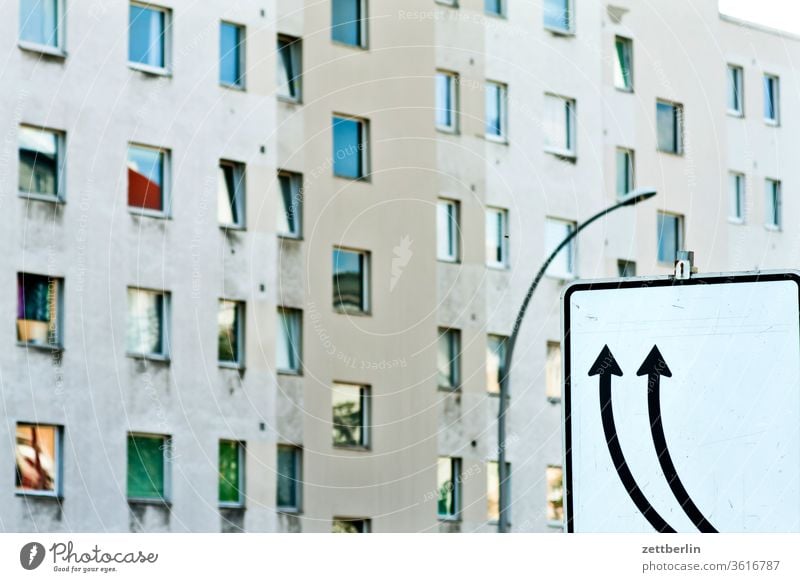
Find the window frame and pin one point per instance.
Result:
(453, 228)
(679, 242)
(365, 413)
(295, 179)
(58, 345)
(678, 121)
(60, 196)
(453, 106)
(502, 342)
(55, 50)
(627, 42)
(281, 314)
(738, 87)
(166, 70)
(736, 199)
(166, 187)
(363, 146)
(366, 523)
(571, 249)
(570, 132)
(166, 310)
(503, 233)
(454, 357)
(554, 523)
(239, 207)
(774, 203)
(570, 19)
(239, 323)
(297, 479)
(166, 448)
(622, 266)
(58, 491)
(502, 138)
(241, 451)
(630, 170)
(366, 291)
(294, 45)
(363, 27)
(241, 54)
(457, 478)
(503, 8)
(549, 396)
(775, 80)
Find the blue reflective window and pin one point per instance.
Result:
(231, 38)
(38, 22)
(146, 30)
(349, 147)
(347, 24)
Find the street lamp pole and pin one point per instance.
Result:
(631, 199)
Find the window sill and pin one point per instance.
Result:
(563, 278)
(231, 366)
(452, 389)
(365, 178)
(150, 70)
(149, 357)
(143, 212)
(447, 130)
(772, 122)
(449, 518)
(498, 266)
(359, 47)
(43, 49)
(241, 506)
(627, 90)
(42, 197)
(556, 525)
(289, 510)
(565, 32)
(286, 236)
(500, 16)
(352, 313)
(52, 348)
(737, 114)
(738, 221)
(772, 228)
(290, 100)
(493, 394)
(157, 502)
(498, 139)
(55, 497)
(354, 448)
(292, 373)
(678, 154)
(448, 261)
(234, 87)
(554, 400)
(566, 155)
(233, 227)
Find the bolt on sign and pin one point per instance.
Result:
(682, 404)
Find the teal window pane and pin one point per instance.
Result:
(346, 24)
(38, 22)
(230, 55)
(230, 471)
(348, 148)
(146, 466)
(146, 36)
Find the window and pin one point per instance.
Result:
(735, 90)
(669, 125)
(625, 173)
(497, 237)
(349, 147)
(350, 525)
(493, 489)
(41, 166)
(559, 125)
(556, 230)
(555, 496)
(231, 473)
(230, 194)
(350, 281)
(449, 359)
(446, 101)
(495, 362)
(290, 463)
(623, 63)
(772, 108)
(147, 334)
(496, 111)
(447, 230)
(38, 459)
(494, 7)
(231, 55)
(552, 372)
(448, 486)
(670, 236)
(230, 334)
(348, 22)
(558, 15)
(626, 268)
(736, 185)
(147, 466)
(773, 204)
(290, 216)
(41, 23)
(350, 415)
(147, 179)
(39, 310)
(289, 341)
(290, 67)
(148, 42)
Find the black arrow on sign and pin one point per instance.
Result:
(654, 367)
(606, 366)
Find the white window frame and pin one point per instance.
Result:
(59, 50)
(776, 81)
(570, 133)
(297, 479)
(630, 171)
(737, 191)
(570, 30)
(735, 82)
(239, 194)
(282, 321)
(294, 45)
(571, 249)
(57, 491)
(679, 239)
(628, 43)
(773, 208)
(679, 122)
(241, 452)
(166, 449)
(453, 105)
(365, 283)
(166, 310)
(166, 187)
(452, 230)
(503, 113)
(492, 213)
(166, 70)
(61, 166)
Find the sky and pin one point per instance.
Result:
(781, 14)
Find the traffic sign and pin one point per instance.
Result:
(682, 404)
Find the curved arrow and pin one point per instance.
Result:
(654, 367)
(606, 366)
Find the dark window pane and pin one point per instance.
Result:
(37, 309)
(346, 22)
(348, 281)
(289, 67)
(230, 194)
(230, 58)
(146, 36)
(668, 237)
(348, 148)
(289, 219)
(146, 467)
(228, 336)
(230, 489)
(288, 473)
(667, 120)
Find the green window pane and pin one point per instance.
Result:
(146, 467)
(229, 472)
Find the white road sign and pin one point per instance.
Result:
(682, 404)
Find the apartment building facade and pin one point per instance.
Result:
(265, 254)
